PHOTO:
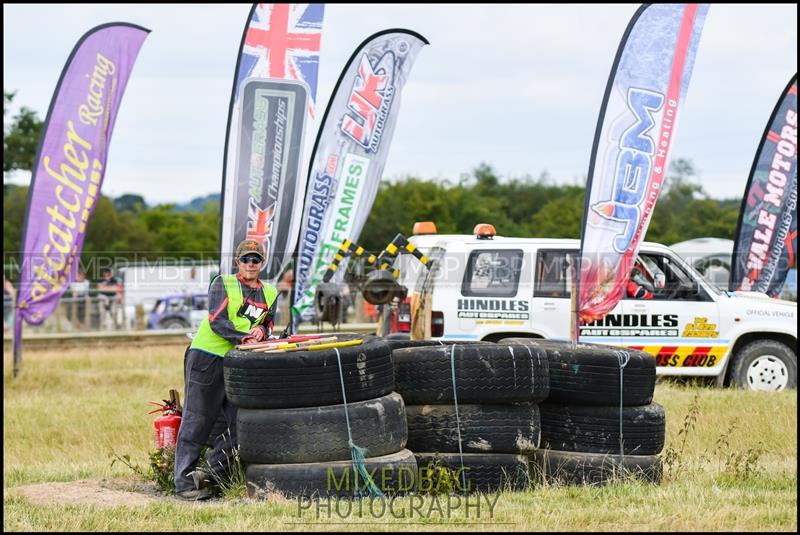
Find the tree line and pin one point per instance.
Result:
(538, 207)
(127, 228)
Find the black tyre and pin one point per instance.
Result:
(590, 373)
(482, 472)
(596, 429)
(395, 473)
(397, 336)
(308, 378)
(484, 373)
(484, 428)
(403, 343)
(315, 434)
(573, 468)
(764, 365)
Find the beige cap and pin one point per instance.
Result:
(249, 246)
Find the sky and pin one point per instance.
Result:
(516, 86)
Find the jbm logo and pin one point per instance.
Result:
(633, 168)
(370, 101)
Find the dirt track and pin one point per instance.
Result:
(102, 492)
(110, 493)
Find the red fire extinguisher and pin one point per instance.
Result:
(168, 424)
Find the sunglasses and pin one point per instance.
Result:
(250, 259)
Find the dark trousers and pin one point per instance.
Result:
(204, 401)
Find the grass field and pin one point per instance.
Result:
(730, 461)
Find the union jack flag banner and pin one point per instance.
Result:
(279, 42)
(282, 41)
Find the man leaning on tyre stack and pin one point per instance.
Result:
(240, 311)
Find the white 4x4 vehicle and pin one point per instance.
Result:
(490, 287)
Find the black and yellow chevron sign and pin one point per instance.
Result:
(399, 244)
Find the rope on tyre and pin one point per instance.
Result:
(356, 452)
(530, 357)
(458, 420)
(623, 357)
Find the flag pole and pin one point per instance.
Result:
(575, 315)
(290, 324)
(17, 341)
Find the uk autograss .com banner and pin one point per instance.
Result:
(350, 153)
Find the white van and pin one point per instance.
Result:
(487, 287)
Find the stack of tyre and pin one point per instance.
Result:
(485, 438)
(588, 436)
(291, 425)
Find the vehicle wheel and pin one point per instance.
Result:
(765, 365)
(173, 323)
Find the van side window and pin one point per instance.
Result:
(715, 270)
(670, 282)
(492, 273)
(553, 277)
